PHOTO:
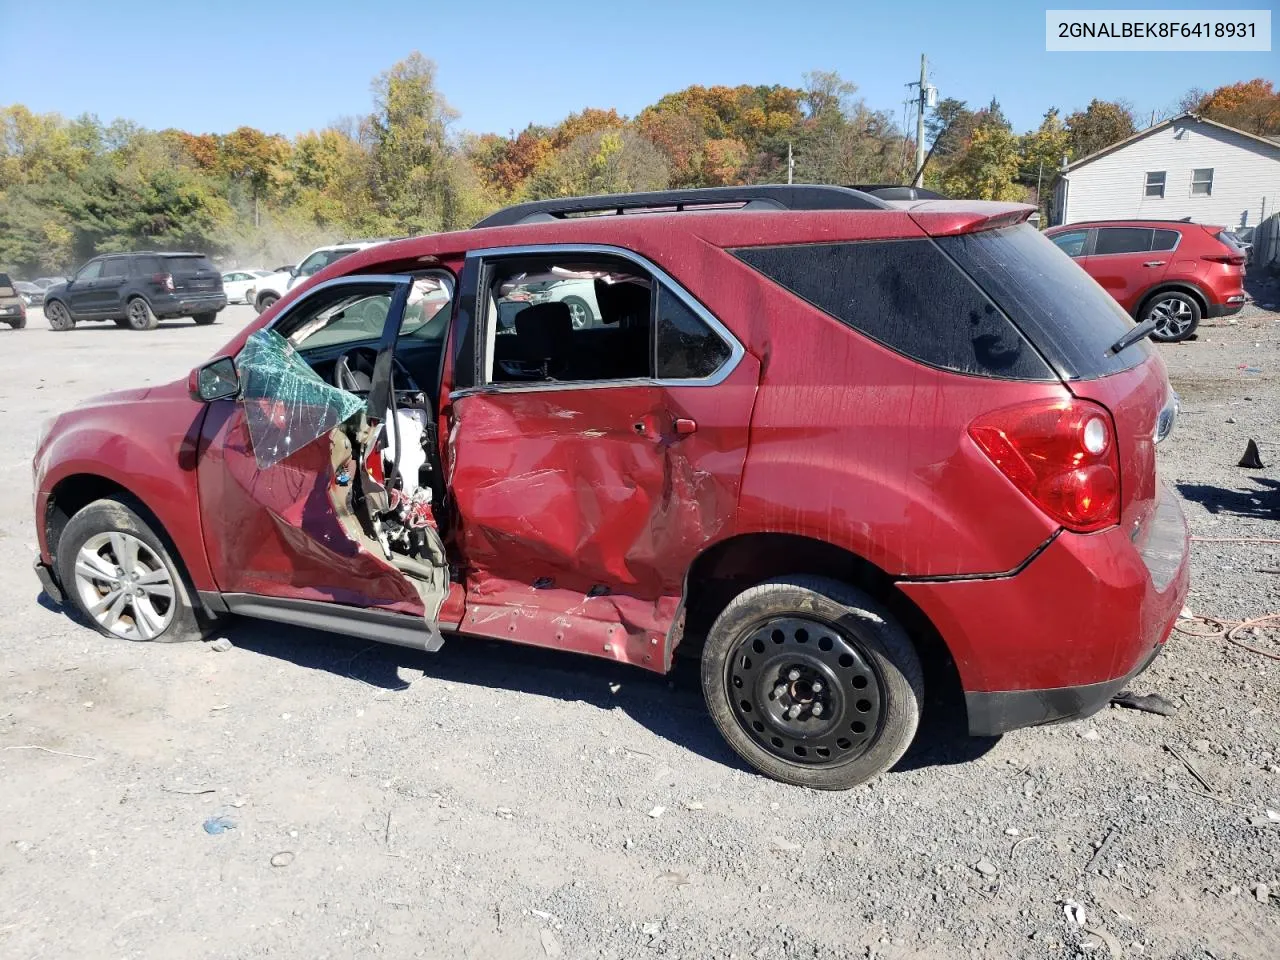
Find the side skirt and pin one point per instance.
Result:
(378, 625)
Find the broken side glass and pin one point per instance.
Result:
(286, 403)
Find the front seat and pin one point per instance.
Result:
(544, 334)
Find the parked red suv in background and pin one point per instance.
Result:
(836, 447)
(1169, 271)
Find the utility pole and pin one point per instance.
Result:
(920, 102)
(791, 163)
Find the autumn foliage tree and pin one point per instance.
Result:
(1252, 106)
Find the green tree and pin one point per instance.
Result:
(1042, 152)
(607, 161)
(1098, 126)
(411, 150)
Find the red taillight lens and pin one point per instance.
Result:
(1061, 454)
(1237, 258)
(164, 280)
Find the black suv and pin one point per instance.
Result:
(138, 290)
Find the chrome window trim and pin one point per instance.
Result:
(1135, 253)
(736, 349)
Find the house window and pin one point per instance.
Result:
(1202, 182)
(1155, 184)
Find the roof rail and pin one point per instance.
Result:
(896, 191)
(800, 196)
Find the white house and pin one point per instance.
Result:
(1185, 167)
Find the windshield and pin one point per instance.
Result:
(321, 259)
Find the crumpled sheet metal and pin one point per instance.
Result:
(580, 511)
(274, 531)
(286, 403)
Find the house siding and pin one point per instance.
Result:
(1246, 179)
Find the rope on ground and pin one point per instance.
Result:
(1227, 629)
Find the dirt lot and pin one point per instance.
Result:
(495, 802)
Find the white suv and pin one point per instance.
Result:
(271, 288)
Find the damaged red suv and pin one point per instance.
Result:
(835, 446)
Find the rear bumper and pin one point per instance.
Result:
(995, 712)
(1055, 640)
(185, 306)
(1223, 309)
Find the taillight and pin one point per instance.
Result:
(164, 280)
(1061, 454)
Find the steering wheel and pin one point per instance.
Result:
(353, 372)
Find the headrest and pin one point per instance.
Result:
(544, 331)
(619, 301)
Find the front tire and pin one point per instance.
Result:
(265, 302)
(59, 316)
(139, 315)
(204, 319)
(812, 682)
(120, 576)
(579, 312)
(1176, 315)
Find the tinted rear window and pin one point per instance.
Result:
(1122, 240)
(5, 281)
(907, 295)
(185, 266)
(1165, 240)
(1071, 319)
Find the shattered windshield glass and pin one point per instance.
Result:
(286, 404)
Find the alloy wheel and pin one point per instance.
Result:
(802, 689)
(124, 586)
(1173, 317)
(138, 314)
(579, 314)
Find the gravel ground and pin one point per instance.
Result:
(503, 802)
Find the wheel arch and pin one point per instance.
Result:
(1174, 286)
(727, 567)
(76, 491)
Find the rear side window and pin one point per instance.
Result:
(1071, 319)
(687, 348)
(1164, 239)
(148, 266)
(186, 266)
(1122, 240)
(910, 297)
(119, 267)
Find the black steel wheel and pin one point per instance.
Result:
(812, 682)
(804, 692)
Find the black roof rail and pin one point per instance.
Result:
(897, 191)
(777, 196)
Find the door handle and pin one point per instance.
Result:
(683, 426)
(1154, 263)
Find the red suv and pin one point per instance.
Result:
(1169, 272)
(837, 447)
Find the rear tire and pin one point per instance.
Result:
(1176, 314)
(59, 316)
(120, 576)
(139, 315)
(265, 302)
(19, 324)
(812, 682)
(204, 319)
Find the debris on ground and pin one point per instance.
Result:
(1252, 458)
(1074, 912)
(216, 825)
(221, 645)
(657, 811)
(1146, 702)
(282, 859)
(986, 868)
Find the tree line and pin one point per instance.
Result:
(70, 189)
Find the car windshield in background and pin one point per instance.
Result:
(185, 266)
(1060, 308)
(318, 261)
